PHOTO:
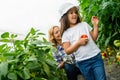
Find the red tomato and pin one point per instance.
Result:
(104, 54)
(84, 36)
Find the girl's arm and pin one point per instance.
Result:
(95, 22)
(69, 49)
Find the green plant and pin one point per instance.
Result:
(108, 12)
(117, 44)
(28, 59)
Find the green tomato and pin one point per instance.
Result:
(111, 52)
(118, 53)
(117, 43)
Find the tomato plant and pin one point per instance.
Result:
(108, 12)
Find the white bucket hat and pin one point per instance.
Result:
(65, 7)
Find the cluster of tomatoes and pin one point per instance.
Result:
(107, 53)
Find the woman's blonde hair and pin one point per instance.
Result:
(51, 36)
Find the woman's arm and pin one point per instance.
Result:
(61, 65)
(58, 56)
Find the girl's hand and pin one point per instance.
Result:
(83, 41)
(95, 20)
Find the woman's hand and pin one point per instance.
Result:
(62, 64)
(95, 20)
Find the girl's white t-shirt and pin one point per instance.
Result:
(73, 34)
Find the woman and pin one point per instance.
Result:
(65, 61)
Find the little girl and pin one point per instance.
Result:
(78, 39)
(65, 61)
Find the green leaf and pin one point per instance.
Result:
(44, 40)
(114, 34)
(36, 42)
(5, 40)
(27, 36)
(26, 73)
(5, 35)
(13, 35)
(9, 54)
(47, 50)
(4, 68)
(37, 78)
(30, 65)
(40, 33)
(32, 31)
(46, 68)
(107, 41)
(51, 62)
(32, 58)
(12, 76)
(2, 47)
(20, 74)
(25, 43)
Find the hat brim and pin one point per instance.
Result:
(67, 9)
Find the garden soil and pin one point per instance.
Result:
(112, 71)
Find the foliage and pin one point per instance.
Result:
(117, 44)
(28, 59)
(108, 12)
(112, 54)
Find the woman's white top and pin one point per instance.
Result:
(73, 34)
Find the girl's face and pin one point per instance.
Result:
(56, 33)
(72, 16)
